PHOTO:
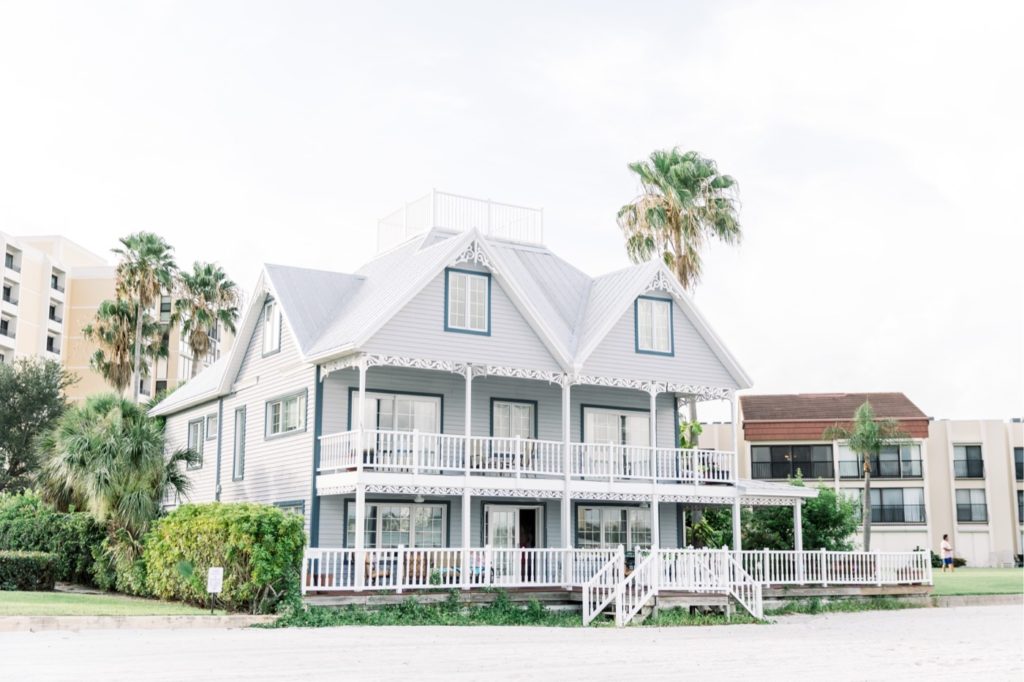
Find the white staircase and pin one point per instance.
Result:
(708, 571)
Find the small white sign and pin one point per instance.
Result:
(214, 579)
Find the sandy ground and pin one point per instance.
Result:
(982, 642)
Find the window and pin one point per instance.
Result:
(1018, 462)
(165, 309)
(5, 327)
(51, 345)
(1020, 502)
(297, 507)
(618, 427)
(8, 293)
(211, 426)
(271, 328)
(897, 505)
(784, 461)
(613, 526)
(399, 412)
(970, 506)
(238, 454)
(653, 320)
(389, 525)
(967, 462)
(54, 282)
(161, 385)
(9, 260)
(894, 461)
(195, 441)
(467, 304)
(286, 415)
(511, 419)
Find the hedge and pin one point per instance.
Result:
(259, 546)
(28, 523)
(27, 570)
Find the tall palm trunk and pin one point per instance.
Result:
(137, 362)
(197, 362)
(867, 502)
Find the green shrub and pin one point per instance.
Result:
(259, 546)
(27, 570)
(27, 523)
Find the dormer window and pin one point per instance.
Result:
(271, 328)
(467, 302)
(653, 319)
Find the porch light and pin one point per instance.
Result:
(418, 499)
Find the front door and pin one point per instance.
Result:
(511, 530)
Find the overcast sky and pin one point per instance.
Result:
(877, 147)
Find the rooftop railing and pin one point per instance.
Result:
(461, 214)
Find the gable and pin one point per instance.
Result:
(418, 330)
(693, 361)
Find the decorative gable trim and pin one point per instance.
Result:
(473, 253)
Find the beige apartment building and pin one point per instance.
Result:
(964, 478)
(52, 288)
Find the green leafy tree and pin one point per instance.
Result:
(206, 298)
(146, 269)
(106, 456)
(866, 437)
(829, 520)
(113, 330)
(685, 202)
(32, 397)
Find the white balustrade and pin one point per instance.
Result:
(515, 456)
(603, 588)
(338, 451)
(788, 567)
(639, 587)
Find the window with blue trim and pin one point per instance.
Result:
(468, 302)
(654, 325)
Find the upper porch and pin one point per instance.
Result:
(386, 415)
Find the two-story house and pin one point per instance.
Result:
(467, 388)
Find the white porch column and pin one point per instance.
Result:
(798, 526)
(466, 540)
(653, 393)
(655, 523)
(468, 430)
(737, 537)
(736, 447)
(361, 414)
(360, 538)
(798, 539)
(566, 465)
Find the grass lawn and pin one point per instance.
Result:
(64, 604)
(979, 581)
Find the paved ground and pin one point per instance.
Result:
(981, 642)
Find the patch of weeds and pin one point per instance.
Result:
(449, 612)
(815, 606)
(682, 617)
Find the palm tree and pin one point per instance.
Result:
(113, 330)
(685, 202)
(146, 269)
(206, 298)
(106, 456)
(866, 437)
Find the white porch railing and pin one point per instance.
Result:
(774, 567)
(601, 573)
(638, 588)
(417, 452)
(461, 214)
(604, 587)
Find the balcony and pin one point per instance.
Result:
(783, 470)
(461, 214)
(908, 468)
(433, 453)
(898, 513)
(968, 468)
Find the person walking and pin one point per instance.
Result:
(947, 555)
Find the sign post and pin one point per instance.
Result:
(214, 582)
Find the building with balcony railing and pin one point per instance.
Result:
(468, 388)
(961, 478)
